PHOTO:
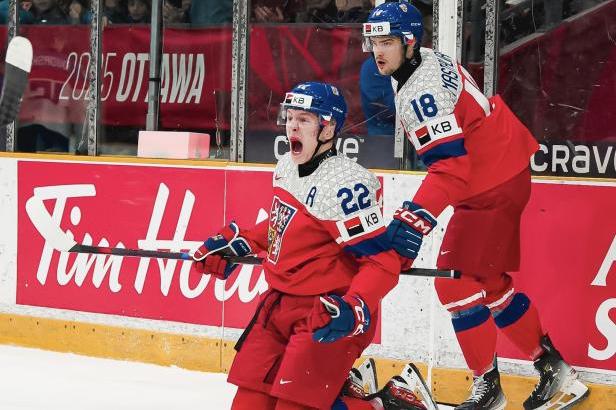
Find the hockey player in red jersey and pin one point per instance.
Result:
(477, 154)
(328, 265)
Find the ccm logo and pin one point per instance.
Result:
(413, 220)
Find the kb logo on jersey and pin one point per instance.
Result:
(280, 218)
(435, 130)
(424, 133)
(360, 224)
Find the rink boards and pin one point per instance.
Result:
(156, 311)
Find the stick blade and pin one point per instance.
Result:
(43, 223)
(16, 72)
(19, 53)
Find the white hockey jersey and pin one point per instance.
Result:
(326, 233)
(469, 143)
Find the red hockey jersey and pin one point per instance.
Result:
(326, 233)
(469, 143)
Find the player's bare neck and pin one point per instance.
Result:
(404, 72)
(309, 167)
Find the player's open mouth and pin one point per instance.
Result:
(380, 63)
(296, 146)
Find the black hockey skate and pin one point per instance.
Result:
(487, 393)
(558, 387)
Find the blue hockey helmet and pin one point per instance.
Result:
(322, 99)
(401, 19)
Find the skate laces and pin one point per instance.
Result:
(546, 373)
(480, 388)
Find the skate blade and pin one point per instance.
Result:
(500, 404)
(571, 394)
(413, 378)
(368, 372)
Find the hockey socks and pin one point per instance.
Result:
(519, 322)
(476, 334)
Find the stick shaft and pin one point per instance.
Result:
(425, 272)
(142, 253)
(246, 260)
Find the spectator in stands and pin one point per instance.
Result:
(25, 17)
(139, 11)
(211, 12)
(115, 12)
(353, 11)
(48, 12)
(79, 12)
(275, 11)
(318, 11)
(176, 11)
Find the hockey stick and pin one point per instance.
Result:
(16, 72)
(61, 241)
(421, 272)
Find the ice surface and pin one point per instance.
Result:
(41, 380)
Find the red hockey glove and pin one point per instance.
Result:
(334, 317)
(208, 258)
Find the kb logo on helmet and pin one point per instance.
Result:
(298, 100)
(376, 29)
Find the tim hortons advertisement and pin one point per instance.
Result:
(136, 207)
(568, 248)
(568, 270)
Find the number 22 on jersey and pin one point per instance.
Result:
(354, 200)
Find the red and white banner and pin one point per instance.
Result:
(568, 246)
(196, 75)
(568, 270)
(136, 207)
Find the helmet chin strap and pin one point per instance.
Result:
(320, 143)
(312, 164)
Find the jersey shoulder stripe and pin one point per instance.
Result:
(370, 245)
(448, 149)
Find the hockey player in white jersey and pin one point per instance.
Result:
(477, 153)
